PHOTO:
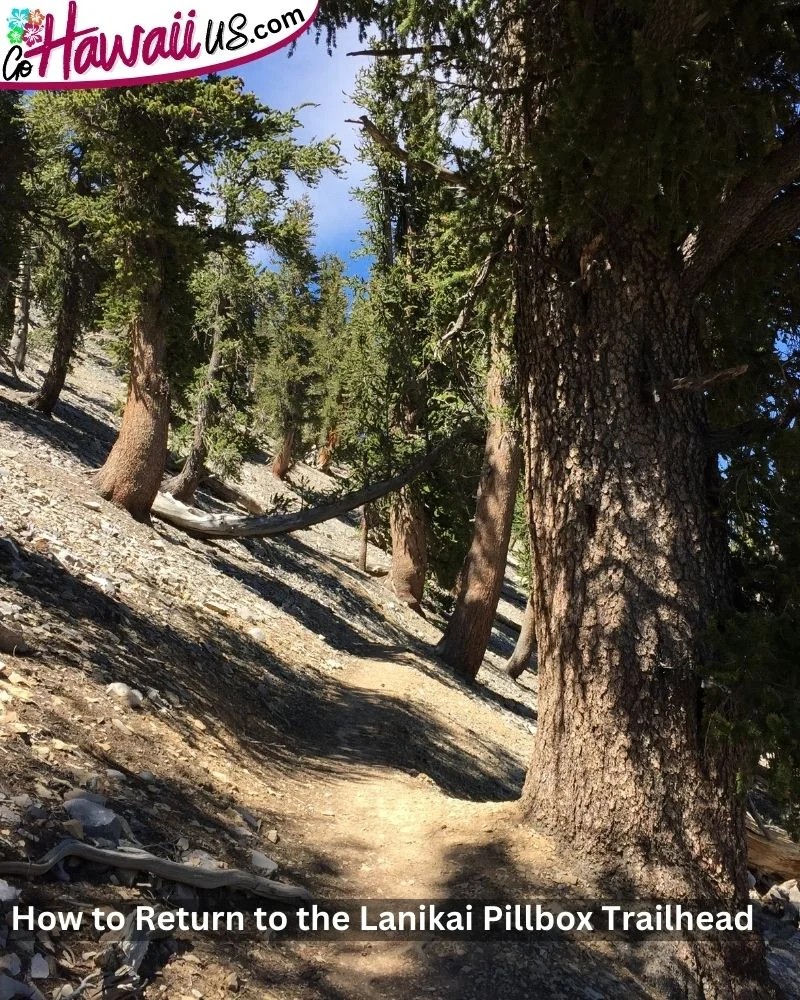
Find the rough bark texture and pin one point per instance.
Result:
(283, 460)
(363, 549)
(627, 568)
(521, 658)
(480, 581)
(131, 476)
(68, 325)
(407, 524)
(183, 485)
(18, 348)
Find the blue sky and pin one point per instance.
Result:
(309, 74)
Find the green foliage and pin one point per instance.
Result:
(14, 156)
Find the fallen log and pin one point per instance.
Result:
(206, 525)
(231, 494)
(771, 850)
(134, 859)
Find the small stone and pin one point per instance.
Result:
(39, 967)
(232, 983)
(132, 697)
(147, 777)
(10, 964)
(74, 828)
(273, 837)
(263, 863)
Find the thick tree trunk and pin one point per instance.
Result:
(183, 485)
(627, 570)
(131, 476)
(18, 348)
(283, 460)
(520, 659)
(407, 524)
(68, 326)
(463, 645)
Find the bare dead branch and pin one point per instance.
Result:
(454, 178)
(234, 526)
(403, 50)
(705, 250)
(473, 294)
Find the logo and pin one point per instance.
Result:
(92, 43)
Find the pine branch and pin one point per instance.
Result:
(473, 294)
(452, 177)
(705, 250)
(777, 223)
(402, 50)
(760, 428)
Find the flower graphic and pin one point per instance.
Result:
(35, 18)
(15, 36)
(33, 34)
(19, 18)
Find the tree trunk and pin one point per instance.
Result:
(68, 326)
(18, 348)
(407, 523)
(183, 485)
(283, 460)
(131, 476)
(362, 553)
(463, 645)
(520, 659)
(628, 568)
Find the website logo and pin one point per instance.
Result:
(93, 43)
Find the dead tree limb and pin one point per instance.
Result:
(234, 526)
(456, 178)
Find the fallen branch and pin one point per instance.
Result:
(206, 525)
(232, 494)
(134, 859)
(772, 852)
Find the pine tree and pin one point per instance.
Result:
(642, 149)
(151, 151)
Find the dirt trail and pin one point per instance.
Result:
(281, 682)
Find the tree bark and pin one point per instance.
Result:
(520, 659)
(407, 526)
(18, 348)
(463, 645)
(364, 547)
(628, 568)
(283, 460)
(183, 486)
(132, 474)
(68, 328)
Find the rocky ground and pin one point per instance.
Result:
(232, 704)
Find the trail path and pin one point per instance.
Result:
(282, 685)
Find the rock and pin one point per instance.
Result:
(258, 634)
(39, 967)
(132, 697)
(263, 863)
(751, 880)
(10, 816)
(202, 859)
(8, 893)
(147, 777)
(74, 828)
(103, 585)
(273, 837)
(232, 983)
(249, 818)
(10, 964)
(97, 820)
(10, 988)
